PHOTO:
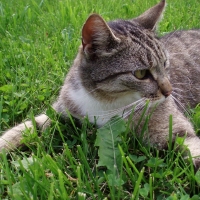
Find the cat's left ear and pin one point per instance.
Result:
(151, 17)
(96, 35)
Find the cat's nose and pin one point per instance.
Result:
(165, 86)
(166, 94)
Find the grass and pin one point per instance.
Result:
(38, 42)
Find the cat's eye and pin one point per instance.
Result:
(140, 74)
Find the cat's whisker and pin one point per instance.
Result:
(177, 94)
(139, 111)
(127, 115)
(135, 110)
(115, 121)
(181, 95)
(174, 88)
(185, 86)
(180, 83)
(129, 112)
(177, 53)
(139, 106)
(181, 105)
(187, 83)
(116, 111)
(132, 110)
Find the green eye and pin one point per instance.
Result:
(140, 74)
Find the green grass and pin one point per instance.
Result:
(38, 42)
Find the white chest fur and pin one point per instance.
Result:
(102, 111)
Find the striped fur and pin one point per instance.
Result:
(121, 65)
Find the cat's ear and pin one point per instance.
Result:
(151, 17)
(96, 34)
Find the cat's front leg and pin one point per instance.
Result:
(158, 129)
(193, 144)
(11, 139)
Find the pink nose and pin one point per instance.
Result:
(166, 94)
(165, 86)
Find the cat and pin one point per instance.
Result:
(120, 66)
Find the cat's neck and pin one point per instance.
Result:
(100, 112)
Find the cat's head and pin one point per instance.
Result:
(124, 57)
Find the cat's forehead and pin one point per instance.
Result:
(124, 27)
(133, 32)
(142, 41)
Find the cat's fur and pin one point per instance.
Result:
(107, 79)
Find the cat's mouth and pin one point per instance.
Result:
(157, 98)
(154, 97)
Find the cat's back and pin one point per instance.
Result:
(187, 41)
(183, 49)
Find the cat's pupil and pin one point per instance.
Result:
(140, 74)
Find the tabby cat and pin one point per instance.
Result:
(121, 65)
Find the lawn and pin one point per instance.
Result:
(38, 42)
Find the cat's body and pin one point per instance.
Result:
(121, 65)
(184, 48)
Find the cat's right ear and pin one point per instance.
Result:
(150, 18)
(96, 35)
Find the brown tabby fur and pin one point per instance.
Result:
(122, 64)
